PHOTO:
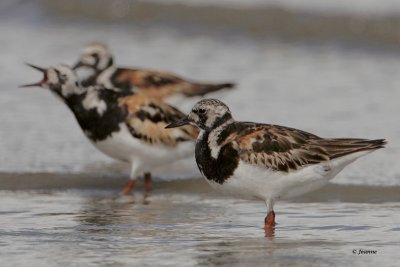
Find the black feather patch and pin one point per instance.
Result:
(220, 169)
(98, 126)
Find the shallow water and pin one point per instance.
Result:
(98, 227)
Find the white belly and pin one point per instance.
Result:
(123, 146)
(257, 182)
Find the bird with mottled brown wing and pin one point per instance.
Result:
(147, 118)
(158, 84)
(277, 147)
(161, 84)
(267, 162)
(285, 149)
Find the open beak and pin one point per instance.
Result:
(40, 83)
(184, 121)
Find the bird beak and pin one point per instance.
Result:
(78, 65)
(184, 121)
(40, 83)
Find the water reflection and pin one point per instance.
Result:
(270, 233)
(105, 211)
(261, 252)
(190, 229)
(117, 210)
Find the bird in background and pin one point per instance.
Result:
(122, 125)
(157, 84)
(266, 162)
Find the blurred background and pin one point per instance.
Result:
(328, 67)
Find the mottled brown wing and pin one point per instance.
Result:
(154, 84)
(277, 147)
(158, 84)
(285, 149)
(147, 118)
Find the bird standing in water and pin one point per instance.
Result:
(122, 125)
(266, 162)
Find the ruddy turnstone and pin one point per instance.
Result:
(158, 84)
(263, 161)
(126, 127)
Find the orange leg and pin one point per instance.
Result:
(270, 233)
(270, 220)
(147, 186)
(130, 185)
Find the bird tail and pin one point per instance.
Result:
(202, 89)
(340, 147)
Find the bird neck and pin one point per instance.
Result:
(216, 160)
(74, 101)
(97, 112)
(99, 74)
(221, 122)
(107, 63)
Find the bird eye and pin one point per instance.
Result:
(199, 111)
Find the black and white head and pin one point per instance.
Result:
(207, 114)
(60, 79)
(96, 56)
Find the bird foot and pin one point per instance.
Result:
(269, 221)
(269, 225)
(147, 184)
(130, 185)
(147, 187)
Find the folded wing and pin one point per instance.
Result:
(286, 149)
(147, 118)
(160, 84)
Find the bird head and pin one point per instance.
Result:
(206, 114)
(96, 56)
(60, 79)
